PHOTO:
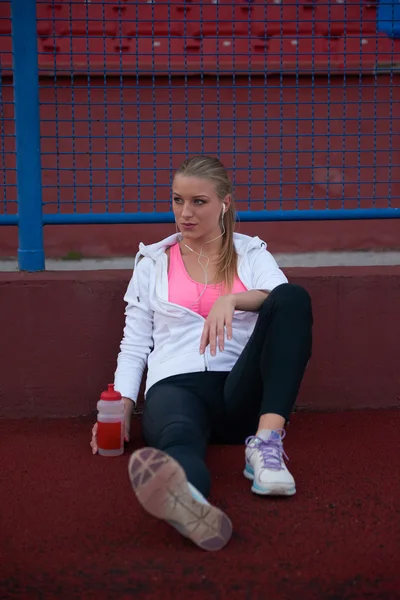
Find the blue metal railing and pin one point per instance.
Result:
(107, 102)
(27, 133)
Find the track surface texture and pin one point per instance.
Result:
(71, 527)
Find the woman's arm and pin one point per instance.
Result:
(250, 301)
(266, 276)
(137, 341)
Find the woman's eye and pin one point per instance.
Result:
(196, 202)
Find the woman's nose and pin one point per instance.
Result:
(187, 210)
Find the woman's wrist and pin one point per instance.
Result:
(129, 404)
(233, 299)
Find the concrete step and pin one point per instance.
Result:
(61, 332)
(285, 260)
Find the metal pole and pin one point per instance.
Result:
(27, 131)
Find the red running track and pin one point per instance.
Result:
(71, 527)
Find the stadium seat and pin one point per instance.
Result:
(138, 35)
(225, 54)
(333, 18)
(226, 18)
(388, 18)
(273, 18)
(367, 53)
(5, 26)
(80, 55)
(299, 54)
(143, 19)
(76, 19)
(87, 19)
(5, 52)
(147, 55)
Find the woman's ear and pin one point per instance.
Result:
(226, 203)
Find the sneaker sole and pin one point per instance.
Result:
(161, 487)
(277, 489)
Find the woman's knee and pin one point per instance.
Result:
(180, 432)
(289, 294)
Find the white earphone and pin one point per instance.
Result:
(200, 255)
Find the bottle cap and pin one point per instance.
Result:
(110, 394)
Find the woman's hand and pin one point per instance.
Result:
(219, 319)
(128, 418)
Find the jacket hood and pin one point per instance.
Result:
(243, 243)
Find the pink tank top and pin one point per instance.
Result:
(183, 290)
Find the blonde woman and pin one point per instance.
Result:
(226, 340)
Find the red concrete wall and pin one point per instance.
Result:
(61, 331)
(123, 240)
(115, 142)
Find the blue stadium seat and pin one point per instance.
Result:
(389, 17)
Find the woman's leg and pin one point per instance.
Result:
(262, 388)
(168, 477)
(176, 421)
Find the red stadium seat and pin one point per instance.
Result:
(78, 55)
(299, 54)
(220, 19)
(87, 19)
(367, 53)
(338, 18)
(5, 26)
(55, 53)
(5, 18)
(163, 54)
(272, 18)
(228, 55)
(153, 19)
(5, 52)
(222, 54)
(118, 54)
(203, 35)
(49, 15)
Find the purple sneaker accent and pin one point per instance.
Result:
(146, 453)
(146, 476)
(156, 465)
(271, 449)
(135, 466)
(136, 480)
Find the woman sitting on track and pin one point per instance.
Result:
(226, 340)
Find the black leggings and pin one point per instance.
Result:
(183, 413)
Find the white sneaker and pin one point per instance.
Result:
(161, 487)
(265, 464)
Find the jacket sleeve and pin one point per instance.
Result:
(266, 273)
(137, 341)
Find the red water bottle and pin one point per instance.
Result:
(111, 423)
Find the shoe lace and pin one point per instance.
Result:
(271, 450)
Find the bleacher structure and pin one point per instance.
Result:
(207, 35)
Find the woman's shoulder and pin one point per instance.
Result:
(244, 243)
(172, 249)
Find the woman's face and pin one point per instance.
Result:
(196, 207)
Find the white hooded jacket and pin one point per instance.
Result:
(166, 336)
